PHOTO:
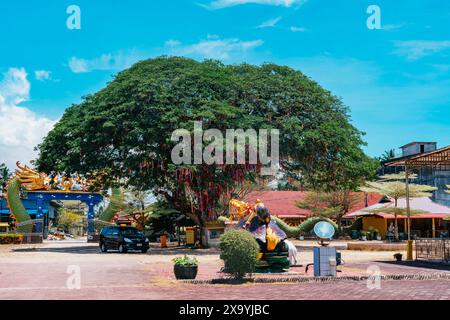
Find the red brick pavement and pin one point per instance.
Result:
(43, 275)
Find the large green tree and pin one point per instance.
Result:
(123, 132)
(333, 204)
(5, 173)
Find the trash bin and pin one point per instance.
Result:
(338, 258)
(191, 235)
(163, 240)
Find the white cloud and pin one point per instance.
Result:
(269, 23)
(20, 128)
(106, 62)
(15, 88)
(214, 48)
(416, 49)
(391, 27)
(220, 4)
(297, 29)
(42, 75)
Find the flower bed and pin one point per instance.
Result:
(11, 238)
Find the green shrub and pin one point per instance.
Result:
(239, 252)
(11, 238)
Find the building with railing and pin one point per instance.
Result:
(437, 177)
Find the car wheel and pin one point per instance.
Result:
(103, 247)
(122, 248)
(144, 250)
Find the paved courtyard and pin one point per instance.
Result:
(46, 271)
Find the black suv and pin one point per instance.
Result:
(123, 239)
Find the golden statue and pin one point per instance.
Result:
(31, 179)
(258, 221)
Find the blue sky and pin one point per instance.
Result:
(396, 80)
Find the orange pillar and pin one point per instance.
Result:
(433, 228)
(163, 240)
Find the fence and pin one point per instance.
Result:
(437, 250)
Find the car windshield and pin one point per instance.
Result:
(130, 232)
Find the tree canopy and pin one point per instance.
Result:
(123, 132)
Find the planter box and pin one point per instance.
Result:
(185, 272)
(38, 238)
(373, 246)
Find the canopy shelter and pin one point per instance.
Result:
(438, 159)
(424, 207)
(428, 218)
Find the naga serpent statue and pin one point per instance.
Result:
(30, 180)
(270, 232)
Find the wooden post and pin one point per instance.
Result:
(433, 228)
(409, 244)
(408, 209)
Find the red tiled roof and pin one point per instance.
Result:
(413, 216)
(282, 203)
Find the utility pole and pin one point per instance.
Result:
(408, 216)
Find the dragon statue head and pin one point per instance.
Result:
(31, 179)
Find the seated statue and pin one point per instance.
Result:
(266, 231)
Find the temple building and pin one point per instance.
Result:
(283, 203)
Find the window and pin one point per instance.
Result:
(422, 148)
(130, 232)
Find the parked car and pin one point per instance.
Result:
(123, 239)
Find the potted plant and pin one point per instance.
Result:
(378, 235)
(398, 256)
(363, 235)
(185, 267)
(371, 233)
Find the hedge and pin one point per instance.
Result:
(11, 238)
(239, 251)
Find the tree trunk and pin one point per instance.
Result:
(339, 223)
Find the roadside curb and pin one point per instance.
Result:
(426, 276)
